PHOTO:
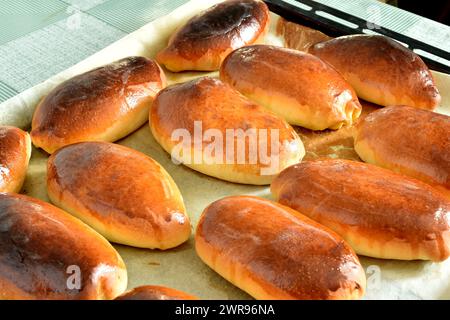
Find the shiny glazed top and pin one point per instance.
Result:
(410, 138)
(227, 25)
(155, 293)
(280, 247)
(13, 155)
(92, 102)
(365, 198)
(39, 242)
(294, 75)
(218, 107)
(381, 62)
(117, 184)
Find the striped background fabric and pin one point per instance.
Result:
(39, 38)
(19, 17)
(404, 22)
(6, 92)
(131, 15)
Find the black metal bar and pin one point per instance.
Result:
(310, 19)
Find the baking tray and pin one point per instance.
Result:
(305, 12)
(180, 268)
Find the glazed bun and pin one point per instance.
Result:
(155, 293)
(273, 252)
(205, 40)
(123, 194)
(104, 104)
(379, 213)
(46, 253)
(15, 153)
(381, 70)
(211, 128)
(407, 140)
(297, 86)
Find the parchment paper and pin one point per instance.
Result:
(180, 268)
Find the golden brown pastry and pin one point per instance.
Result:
(381, 70)
(273, 252)
(211, 128)
(123, 194)
(15, 153)
(205, 40)
(297, 86)
(104, 104)
(45, 253)
(378, 212)
(407, 140)
(155, 293)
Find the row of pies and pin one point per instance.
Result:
(304, 245)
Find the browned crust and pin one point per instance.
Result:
(301, 88)
(38, 244)
(219, 107)
(15, 152)
(104, 104)
(407, 140)
(381, 70)
(379, 212)
(274, 252)
(155, 293)
(206, 39)
(123, 194)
